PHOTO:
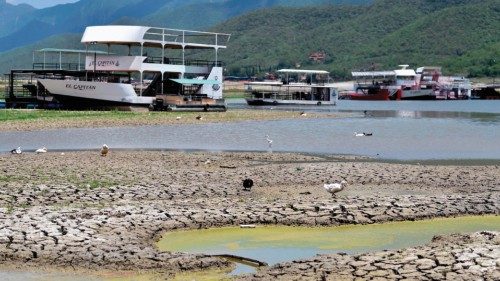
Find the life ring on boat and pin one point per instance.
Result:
(318, 103)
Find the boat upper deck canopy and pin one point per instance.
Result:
(405, 72)
(70, 51)
(303, 71)
(265, 83)
(373, 74)
(154, 37)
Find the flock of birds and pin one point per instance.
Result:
(104, 150)
(331, 188)
(18, 150)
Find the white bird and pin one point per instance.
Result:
(359, 134)
(41, 150)
(269, 141)
(178, 118)
(104, 150)
(333, 188)
(303, 113)
(16, 151)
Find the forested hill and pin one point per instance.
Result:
(462, 36)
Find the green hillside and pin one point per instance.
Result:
(462, 36)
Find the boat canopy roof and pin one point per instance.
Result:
(185, 81)
(154, 37)
(265, 83)
(303, 71)
(429, 69)
(373, 74)
(405, 72)
(69, 51)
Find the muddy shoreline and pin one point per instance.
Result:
(86, 211)
(35, 120)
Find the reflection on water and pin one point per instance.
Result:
(399, 132)
(472, 116)
(485, 106)
(276, 244)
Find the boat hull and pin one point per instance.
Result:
(374, 93)
(377, 96)
(71, 102)
(93, 94)
(418, 95)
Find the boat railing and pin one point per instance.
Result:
(58, 66)
(178, 61)
(188, 37)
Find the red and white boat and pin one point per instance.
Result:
(426, 83)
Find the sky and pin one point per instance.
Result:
(41, 3)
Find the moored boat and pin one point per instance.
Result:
(311, 87)
(426, 83)
(375, 85)
(166, 80)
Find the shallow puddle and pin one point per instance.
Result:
(274, 244)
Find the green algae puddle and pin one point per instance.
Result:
(274, 244)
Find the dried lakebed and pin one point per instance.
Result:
(85, 211)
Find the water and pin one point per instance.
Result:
(275, 244)
(401, 130)
(278, 244)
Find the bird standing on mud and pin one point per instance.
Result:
(104, 150)
(269, 141)
(16, 151)
(41, 150)
(199, 117)
(333, 188)
(247, 184)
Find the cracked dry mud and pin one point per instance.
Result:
(88, 211)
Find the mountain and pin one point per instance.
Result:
(41, 4)
(33, 25)
(38, 24)
(462, 36)
(210, 13)
(12, 16)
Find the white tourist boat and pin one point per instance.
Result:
(315, 90)
(164, 80)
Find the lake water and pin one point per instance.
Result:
(407, 130)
